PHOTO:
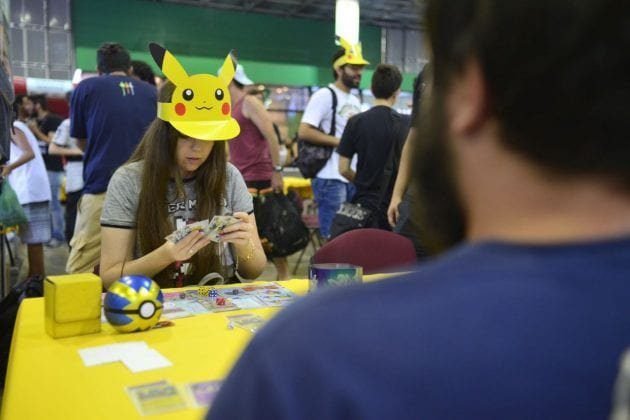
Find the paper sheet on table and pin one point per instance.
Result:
(109, 353)
(146, 359)
(136, 355)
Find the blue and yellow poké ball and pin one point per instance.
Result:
(133, 303)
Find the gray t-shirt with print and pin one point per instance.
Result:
(123, 191)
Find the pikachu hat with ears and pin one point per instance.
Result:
(201, 105)
(353, 54)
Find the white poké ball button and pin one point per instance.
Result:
(147, 309)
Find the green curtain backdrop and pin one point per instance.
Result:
(273, 49)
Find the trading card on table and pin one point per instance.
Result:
(278, 302)
(203, 393)
(249, 322)
(217, 224)
(221, 304)
(156, 398)
(276, 296)
(247, 302)
(172, 310)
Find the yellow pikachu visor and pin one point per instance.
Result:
(353, 54)
(201, 105)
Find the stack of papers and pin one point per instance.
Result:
(136, 355)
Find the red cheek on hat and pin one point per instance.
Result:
(225, 108)
(180, 109)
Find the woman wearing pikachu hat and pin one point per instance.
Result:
(178, 175)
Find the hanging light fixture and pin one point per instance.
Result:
(347, 20)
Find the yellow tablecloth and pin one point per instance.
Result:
(48, 380)
(303, 186)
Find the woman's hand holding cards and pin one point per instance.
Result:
(244, 235)
(187, 246)
(240, 233)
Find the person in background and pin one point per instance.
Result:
(398, 211)
(43, 126)
(26, 173)
(142, 71)
(108, 116)
(523, 177)
(330, 188)
(376, 137)
(255, 151)
(64, 145)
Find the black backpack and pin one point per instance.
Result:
(280, 226)
(311, 157)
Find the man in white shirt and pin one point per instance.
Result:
(329, 187)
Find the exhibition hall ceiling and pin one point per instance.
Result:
(384, 13)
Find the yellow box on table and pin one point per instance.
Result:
(72, 305)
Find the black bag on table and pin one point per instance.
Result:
(312, 157)
(280, 226)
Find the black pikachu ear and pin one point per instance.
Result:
(157, 52)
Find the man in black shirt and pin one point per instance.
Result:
(44, 128)
(377, 137)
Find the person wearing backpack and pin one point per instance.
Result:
(376, 137)
(329, 187)
(255, 151)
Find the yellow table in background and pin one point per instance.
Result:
(301, 185)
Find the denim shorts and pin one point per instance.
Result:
(329, 195)
(37, 229)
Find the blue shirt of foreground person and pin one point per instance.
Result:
(523, 155)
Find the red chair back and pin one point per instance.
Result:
(375, 250)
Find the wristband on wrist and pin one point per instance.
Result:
(249, 255)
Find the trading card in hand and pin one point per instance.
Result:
(156, 398)
(217, 224)
(182, 232)
(203, 393)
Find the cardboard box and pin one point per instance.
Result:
(73, 304)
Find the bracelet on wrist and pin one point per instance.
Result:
(249, 255)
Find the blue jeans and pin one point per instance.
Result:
(329, 195)
(55, 206)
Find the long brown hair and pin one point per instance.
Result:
(157, 152)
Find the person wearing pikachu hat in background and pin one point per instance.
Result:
(330, 188)
(179, 175)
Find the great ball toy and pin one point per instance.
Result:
(133, 303)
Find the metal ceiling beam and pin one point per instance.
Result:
(396, 14)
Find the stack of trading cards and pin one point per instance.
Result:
(211, 229)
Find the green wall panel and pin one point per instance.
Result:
(273, 49)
